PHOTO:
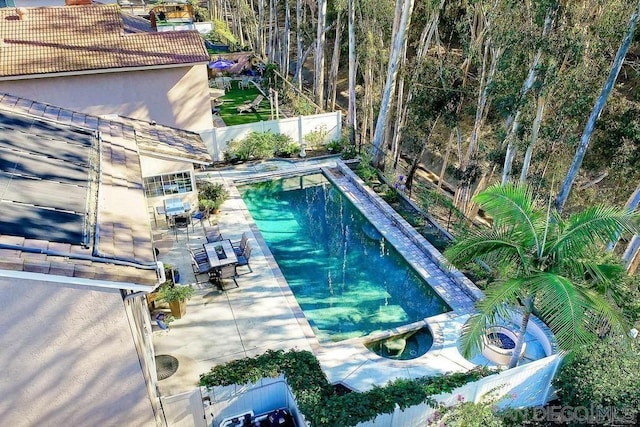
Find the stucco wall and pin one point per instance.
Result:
(177, 97)
(68, 358)
(152, 166)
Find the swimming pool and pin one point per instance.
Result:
(346, 278)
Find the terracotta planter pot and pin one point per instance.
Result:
(178, 308)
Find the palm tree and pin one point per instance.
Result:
(544, 266)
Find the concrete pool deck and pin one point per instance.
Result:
(263, 314)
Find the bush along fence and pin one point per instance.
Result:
(301, 130)
(318, 401)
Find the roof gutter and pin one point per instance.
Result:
(79, 281)
(103, 260)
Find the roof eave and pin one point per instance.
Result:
(100, 71)
(167, 156)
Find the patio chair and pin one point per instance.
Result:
(226, 272)
(199, 266)
(200, 255)
(244, 258)
(199, 216)
(239, 247)
(252, 106)
(212, 234)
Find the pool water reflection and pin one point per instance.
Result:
(346, 278)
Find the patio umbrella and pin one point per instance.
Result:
(220, 64)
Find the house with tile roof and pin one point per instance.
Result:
(93, 59)
(76, 262)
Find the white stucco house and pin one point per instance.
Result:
(76, 262)
(97, 60)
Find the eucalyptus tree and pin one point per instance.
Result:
(561, 199)
(375, 20)
(513, 122)
(431, 101)
(397, 46)
(319, 53)
(490, 51)
(351, 116)
(429, 13)
(338, 11)
(543, 263)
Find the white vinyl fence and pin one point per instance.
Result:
(264, 396)
(524, 386)
(297, 128)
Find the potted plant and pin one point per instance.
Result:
(171, 273)
(211, 196)
(176, 296)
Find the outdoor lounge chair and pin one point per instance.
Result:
(245, 108)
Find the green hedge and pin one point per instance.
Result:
(261, 145)
(317, 399)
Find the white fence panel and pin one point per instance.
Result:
(262, 397)
(297, 128)
(184, 409)
(526, 385)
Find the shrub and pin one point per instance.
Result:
(211, 195)
(301, 106)
(315, 139)
(260, 145)
(606, 373)
(284, 146)
(366, 170)
(315, 396)
(466, 414)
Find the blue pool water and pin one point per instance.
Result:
(346, 278)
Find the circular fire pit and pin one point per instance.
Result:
(499, 343)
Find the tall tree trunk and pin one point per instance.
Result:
(526, 313)
(271, 41)
(260, 28)
(562, 197)
(631, 254)
(286, 42)
(631, 205)
(335, 63)
(298, 76)
(534, 137)
(390, 85)
(403, 103)
(462, 196)
(447, 153)
(319, 55)
(351, 118)
(418, 158)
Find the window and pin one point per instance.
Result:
(164, 185)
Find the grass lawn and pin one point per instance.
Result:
(235, 97)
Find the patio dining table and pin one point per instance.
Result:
(220, 253)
